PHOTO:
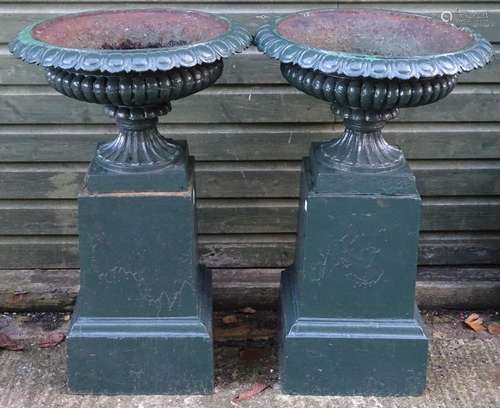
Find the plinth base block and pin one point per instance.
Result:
(175, 177)
(142, 324)
(371, 357)
(140, 356)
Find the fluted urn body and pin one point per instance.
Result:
(134, 62)
(368, 64)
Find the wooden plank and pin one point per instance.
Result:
(444, 273)
(30, 290)
(483, 17)
(48, 290)
(252, 216)
(250, 251)
(429, 295)
(223, 142)
(458, 295)
(279, 215)
(340, 3)
(239, 104)
(250, 67)
(282, 179)
(269, 179)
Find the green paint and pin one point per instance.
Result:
(349, 321)
(143, 318)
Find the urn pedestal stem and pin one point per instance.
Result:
(362, 147)
(138, 147)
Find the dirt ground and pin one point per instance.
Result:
(464, 369)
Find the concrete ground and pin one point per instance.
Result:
(464, 370)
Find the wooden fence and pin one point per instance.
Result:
(248, 134)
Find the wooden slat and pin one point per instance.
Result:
(281, 179)
(235, 216)
(467, 273)
(250, 251)
(251, 68)
(29, 290)
(239, 104)
(483, 17)
(222, 142)
(248, 134)
(251, 179)
(340, 3)
(279, 216)
(252, 216)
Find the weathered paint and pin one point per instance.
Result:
(142, 324)
(349, 321)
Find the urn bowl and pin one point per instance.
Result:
(134, 62)
(368, 63)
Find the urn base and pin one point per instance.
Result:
(345, 356)
(134, 356)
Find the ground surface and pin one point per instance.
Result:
(464, 368)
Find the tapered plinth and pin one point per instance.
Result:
(349, 321)
(143, 319)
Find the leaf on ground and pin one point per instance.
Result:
(475, 322)
(248, 310)
(52, 339)
(230, 319)
(8, 343)
(255, 389)
(494, 328)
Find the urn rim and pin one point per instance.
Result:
(33, 50)
(275, 44)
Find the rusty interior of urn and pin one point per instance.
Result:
(374, 32)
(130, 29)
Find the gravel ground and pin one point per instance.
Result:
(464, 369)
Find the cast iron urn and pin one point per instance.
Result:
(142, 322)
(134, 62)
(349, 321)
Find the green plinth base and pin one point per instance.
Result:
(337, 356)
(142, 324)
(152, 355)
(350, 325)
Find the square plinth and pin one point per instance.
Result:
(334, 356)
(142, 324)
(349, 321)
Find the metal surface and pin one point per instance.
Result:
(365, 104)
(135, 62)
(373, 43)
(368, 64)
(181, 38)
(135, 101)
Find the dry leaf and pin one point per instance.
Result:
(475, 322)
(494, 328)
(255, 389)
(248, 310)
(52, 339)
(230, 319)
(8, 343)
